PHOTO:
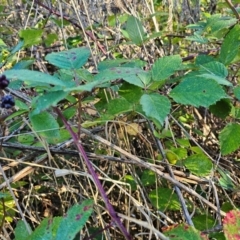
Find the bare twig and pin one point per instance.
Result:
(229, 3)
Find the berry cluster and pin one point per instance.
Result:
(7, 101)
(3, 82)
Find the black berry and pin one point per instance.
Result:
(7, 101)
(3, 82)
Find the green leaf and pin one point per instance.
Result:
(17, 47)
(47, 100)
(148, 178)
(78, 75)
(197, 91)
(50, 39)
(130, 92)
(230, 46)
(180, 152)
(225, 181)
(203, 59)
(70, 59)
(46, 230)
(64, 135)
(131, 181)
(166, 66)
(45, 125)
(229, 138)
(155, 106)
(126, 73)
(21, 231)
(214, 68)
(197, 38)
(184, 232)
(31, 36)
(218, 79)
(202, 222)
(74, 220)
(135, 30)
(4, 195)
(198, 164)
(21, 105)
(164, 199)
(121, 62)
(26, 139)
(118, 106)
(218, 22)
(222, 108)
(236, 92)
(2, 44)
(85, 87)
(23, 64)
(33, 76)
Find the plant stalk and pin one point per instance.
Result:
(81, 150)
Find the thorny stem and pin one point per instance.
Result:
(81, 150)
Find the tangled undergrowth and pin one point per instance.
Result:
(133, 104)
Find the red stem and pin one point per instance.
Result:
(79, 146)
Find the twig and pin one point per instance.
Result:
(153, 168)
(229, 3)
(99, 186)
(144, 224)
(179, 175)
(180, 196)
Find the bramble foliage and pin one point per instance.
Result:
(133, 87)
(58, 228)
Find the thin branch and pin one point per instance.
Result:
(229, 3)
(153, 168)
(99, 186)
(177, 189)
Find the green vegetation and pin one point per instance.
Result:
(139, 118)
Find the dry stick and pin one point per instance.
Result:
(144, 224)
(217, 203)
(178, 174)
(151, 167)
(79, 146)
(180, 196)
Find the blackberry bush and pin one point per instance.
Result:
(7, 101)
